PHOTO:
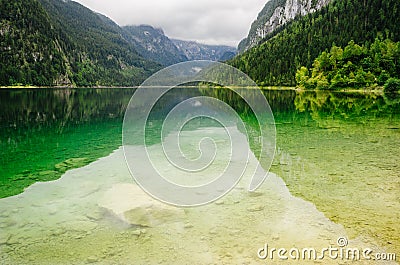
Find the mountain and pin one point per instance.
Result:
(196, 51)
(227, 56)
(298, 42)
(104, 56)
(275, 14)
(54, 42)
(63, 43)
(152, 44)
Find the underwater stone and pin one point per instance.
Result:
(256, 208)
(93, 216)
(255, 194)
(136, 232)
(220, 202)
(92, 259)
(187, 225)
(131, 204)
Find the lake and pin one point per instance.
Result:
(335, 174)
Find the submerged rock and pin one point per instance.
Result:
(136, 232)
(131, 204)
(256, 208)
(219, 202)
(188, 225)
(92, 259)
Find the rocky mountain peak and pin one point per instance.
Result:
(275, 14)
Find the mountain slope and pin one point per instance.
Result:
(63, 43)
(54, 42)
(152, 44)
(30, 47)
(300, 41)
(275, 14)
(196, 51)
(101, 55)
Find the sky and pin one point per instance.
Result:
(206, 21)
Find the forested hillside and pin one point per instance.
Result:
(354, 66)
(300, 41)
(63, 43)
(53, 42)
(30, 50)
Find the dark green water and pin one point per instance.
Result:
(337, 150)
(45, 132)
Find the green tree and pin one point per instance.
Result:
(302, 75)
(392, 85)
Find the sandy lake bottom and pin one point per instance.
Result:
(80, 219)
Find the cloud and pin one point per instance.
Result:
(205, 21)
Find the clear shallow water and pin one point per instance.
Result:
(338, 151)
(346, 161)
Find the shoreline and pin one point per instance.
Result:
(378, 90)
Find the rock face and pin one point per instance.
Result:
(152, 44)
(130, 204)
(275, 14)
(197, 51)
